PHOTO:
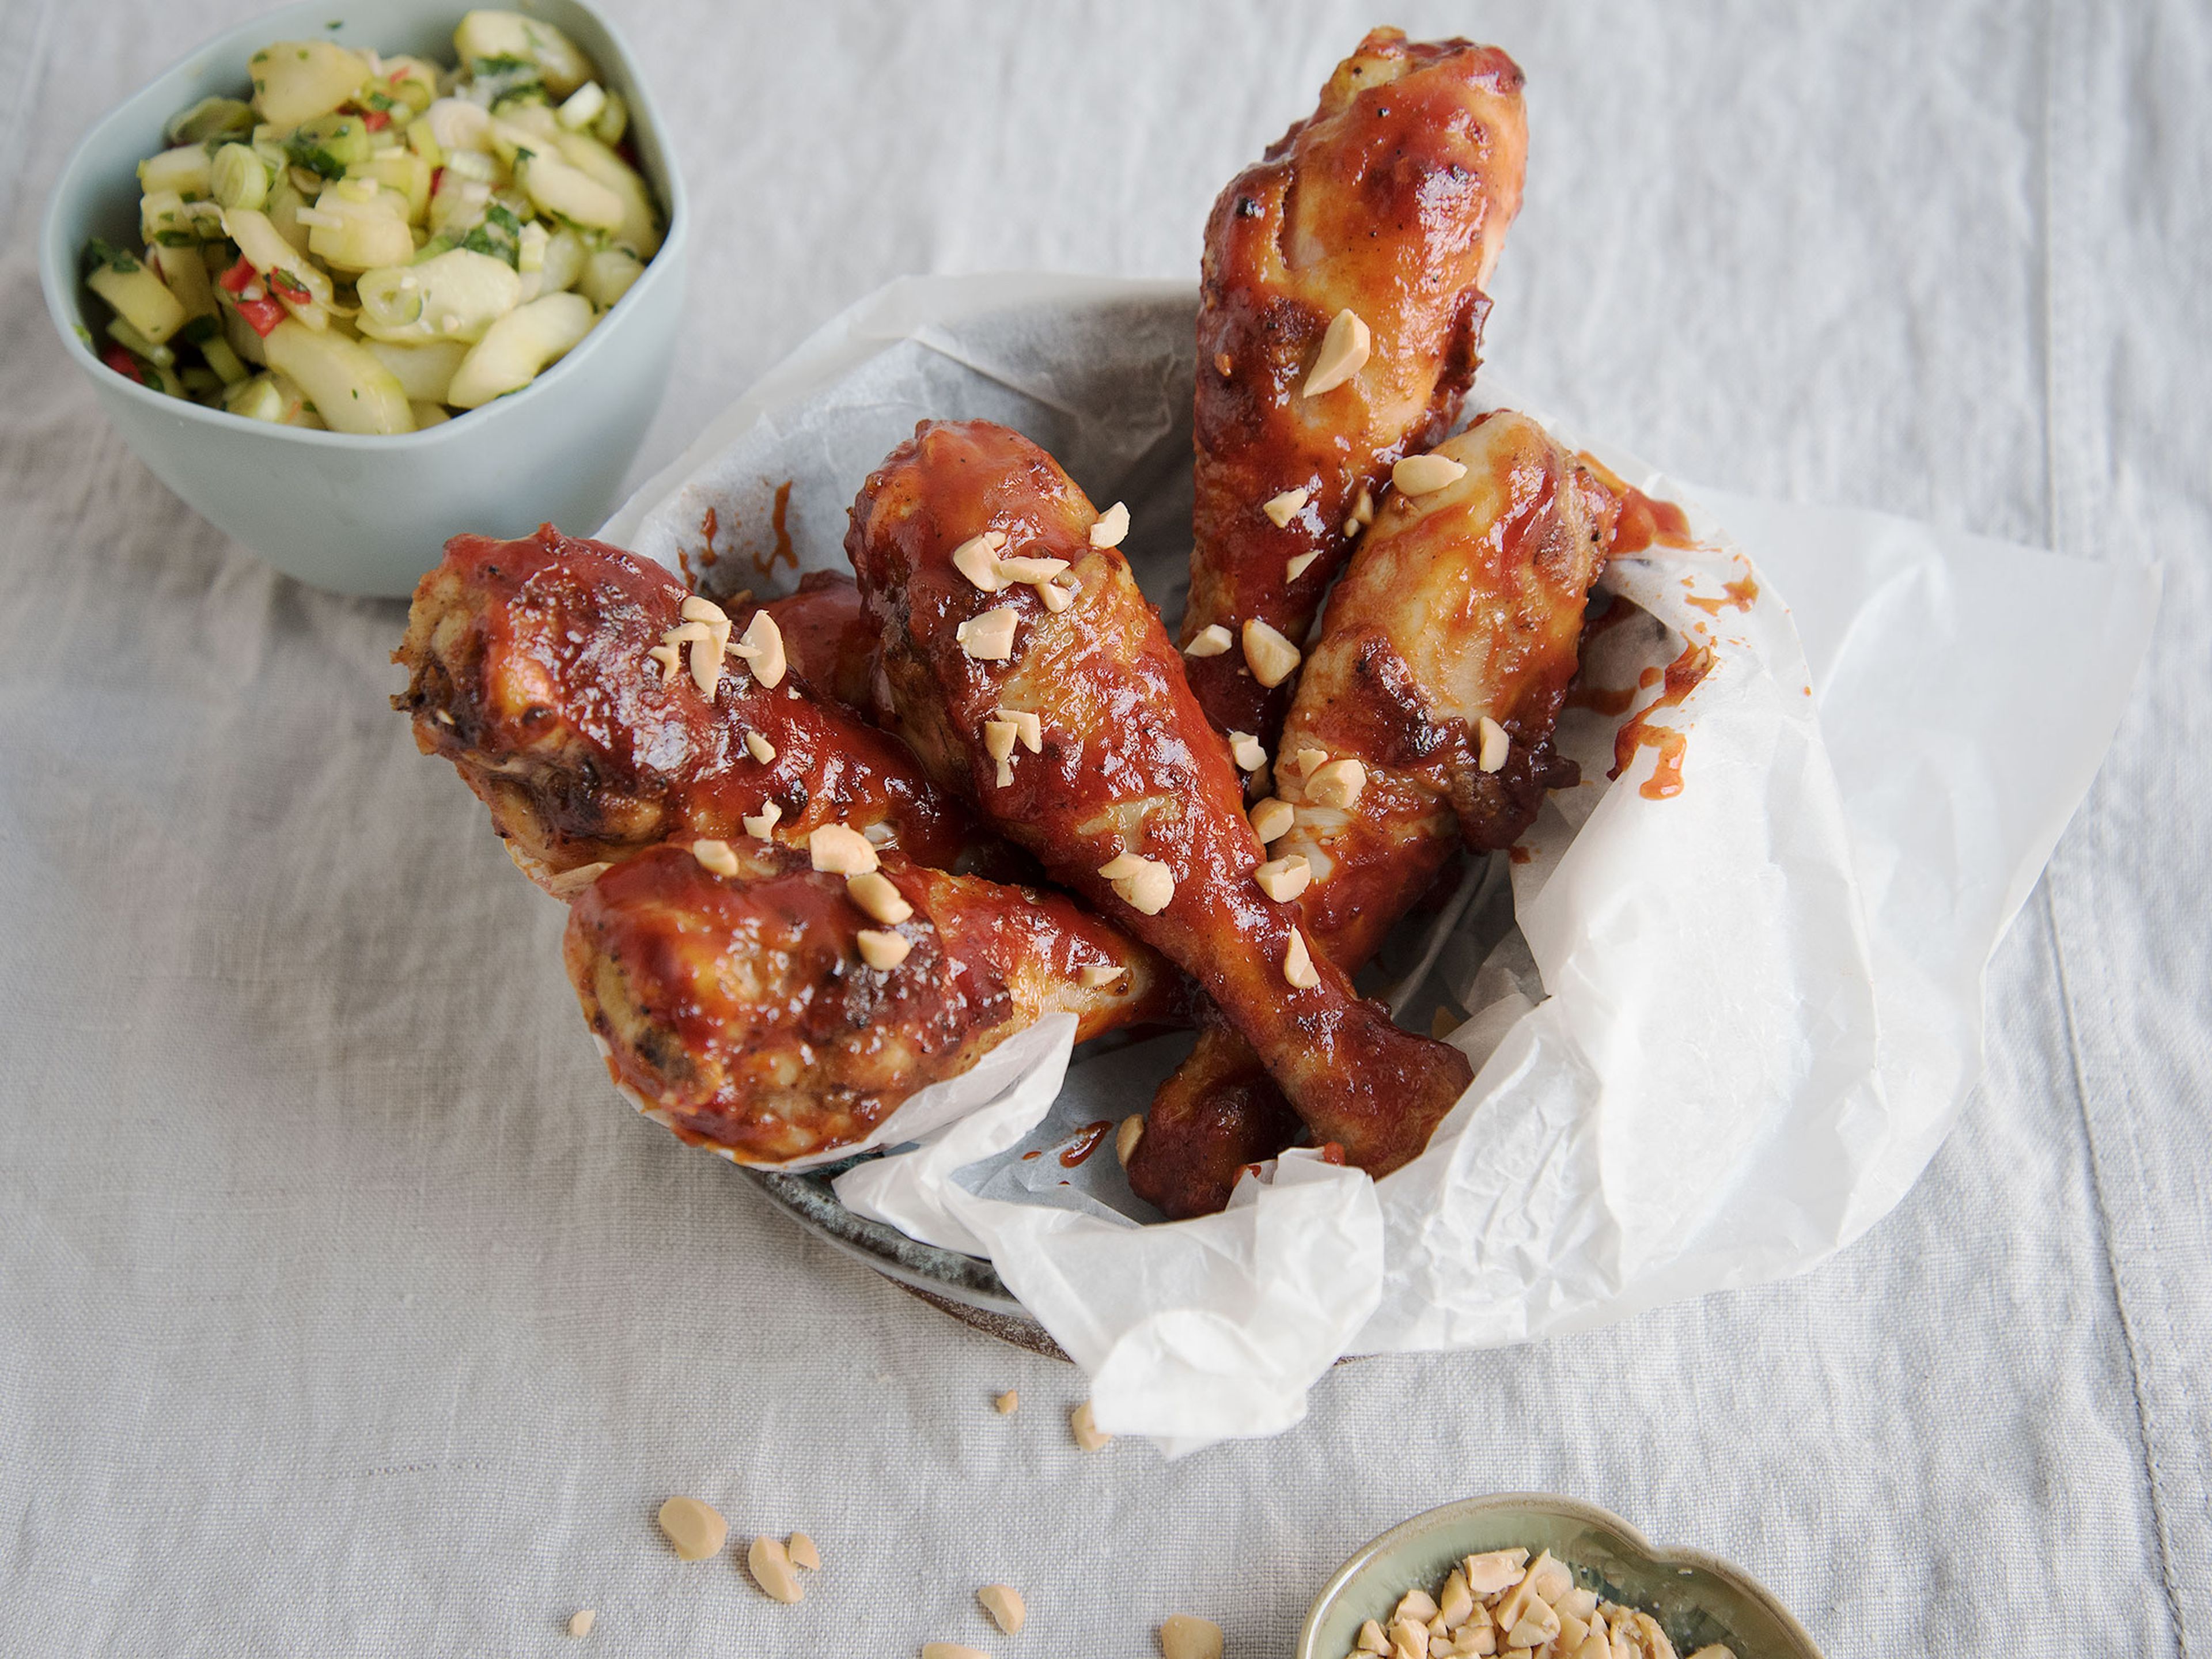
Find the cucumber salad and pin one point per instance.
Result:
(374, 244)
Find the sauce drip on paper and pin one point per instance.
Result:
(1085, 1142)
(1683, 677)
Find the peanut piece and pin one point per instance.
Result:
(1344, 351)
(1126, 1137)
(799, 1549)
(872, 891)
(715, 855)
(1084, 1427)
(1337, 785)
(771, 1570)
(1005, 1605)
(1284, 879)
(1271, 819)
(1182, 1637)
(989, 637)
(1285, 507)
(882, 950)
(1113, 525)
(1423, 475)
(582, 1620)
(1211, 641)
(839, 851)
(695, 1530)
(1271, 658)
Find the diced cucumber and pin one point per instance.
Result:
(296, 81)
(350, 389)
(137, 344)
(183, 170)
(455, 296)
(607, 276)
(223, 359)
(211, 118)
(516, 348)
(140, 299)
(329, 144)
(503, 37)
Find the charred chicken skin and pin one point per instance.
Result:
(1390, 203)
(1035, 677)
(769, 1012)
(532, 667)
(1444, 661)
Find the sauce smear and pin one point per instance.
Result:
(1085, 1142)
(1683, 677)
(1740, 595)
(783, 552)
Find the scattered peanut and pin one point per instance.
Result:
(1501, 1603)
(1298, 963)
(698, 608)
(582, 1620)
(1336, 785)
(1003, 1603)
(1113, 525)
(695, 1530)
(715, 855)
(1145, 886)
(839, 851)
(950, 1650)
(1303, 760)
(1027, 725)
(989, 637)
(1298, 567)
(1097, 975)
(759, 748)
(1182, 1637)
(1423, 475)
(1284, 879)
(1271, 819)
(1271, 658)
(1126, 1137)
(665, 655)
(1008, 1403)
(1057, 594)
(1284, 507)
(1084, 1427)
(1211, 641)
(872, 891)
(881, 950)
(1344, 352)
(1246, 750)
(761, 648)
(757, 824)
(771, 1570)
(977, 559)
(801, 1551)
(1495, 744)
(999, 740)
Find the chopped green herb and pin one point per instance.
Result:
(106, 253)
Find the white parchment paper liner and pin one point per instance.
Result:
(1716, 1035)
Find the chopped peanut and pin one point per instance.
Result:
(882, 950)
(1344, 351)
(1271, 819)
(759, 748)
(1423, 475)
(1284, 879)
(715, 855)
(1285, 507)
(762, 649)
(1126, 1137)
(841, 851)
(1271, 658)
(1211, 641)
(872, 891)
(1084, 1427)
(1113, 525)
(758, 825)
(1298, 963)
(1298, 567)
(989, 637)
(1336, 785)
(1495, 744)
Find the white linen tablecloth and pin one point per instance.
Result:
(342, 1310)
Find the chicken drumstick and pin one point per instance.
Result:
(1342, 306)
(777, 1010)
(1422, 720)
(1036, 678)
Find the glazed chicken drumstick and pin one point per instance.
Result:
(1342, 305)
(1423, 721)
(1035, 676)
(597, 709)
(775, 1010)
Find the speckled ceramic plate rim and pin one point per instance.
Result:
(1633, 1543)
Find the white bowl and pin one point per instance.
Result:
(369, 514)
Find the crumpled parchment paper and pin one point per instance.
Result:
(1717, 1032)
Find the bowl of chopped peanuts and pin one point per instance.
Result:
(1532, 1576)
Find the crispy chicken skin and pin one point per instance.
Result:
(1125, 765)
(528, 670)
(1391, 200)
(738, 1011)
(1462, 604)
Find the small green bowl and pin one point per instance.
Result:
(367, 515)
(1697, 1598)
